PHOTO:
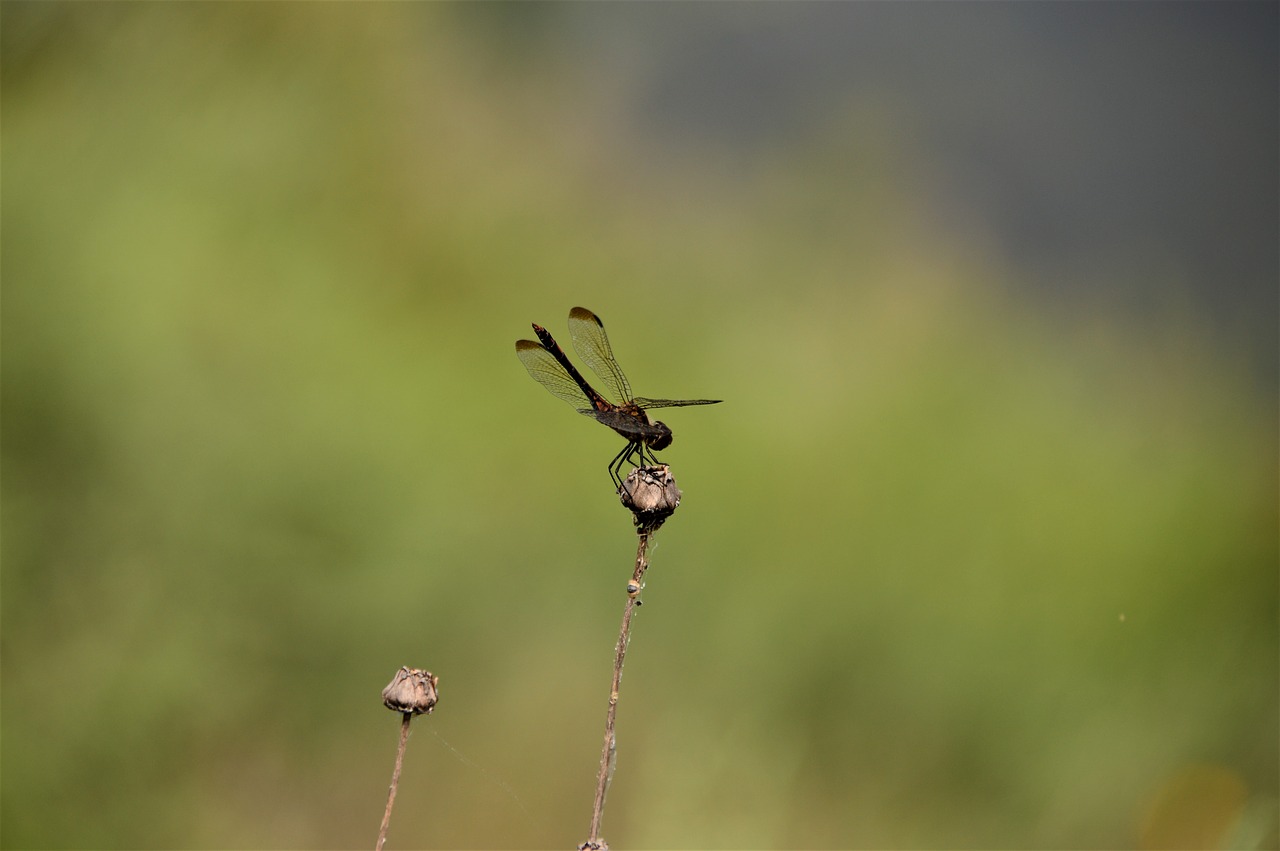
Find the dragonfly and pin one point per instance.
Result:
(551, 368)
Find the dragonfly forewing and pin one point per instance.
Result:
(592, 344)
(645, 403)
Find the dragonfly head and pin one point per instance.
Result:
(661, 438)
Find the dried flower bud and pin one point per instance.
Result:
(651, 495)
(412, 691)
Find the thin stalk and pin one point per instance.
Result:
(395, 780)
(609, 749)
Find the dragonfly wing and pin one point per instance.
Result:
(547, 371)
(642, 402)
(593, 347)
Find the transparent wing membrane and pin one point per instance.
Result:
(544, 368)
(642, 402)
(592, 344)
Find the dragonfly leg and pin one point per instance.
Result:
(620, 460)
(652, 458)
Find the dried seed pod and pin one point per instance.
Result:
(651, 495)
(411, 691)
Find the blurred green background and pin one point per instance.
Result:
(980, 550)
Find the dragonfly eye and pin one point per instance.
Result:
(662, 439)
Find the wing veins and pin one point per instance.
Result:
(592, 345)
(547, 371)
(646, 403)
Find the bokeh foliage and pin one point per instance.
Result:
(949, 572)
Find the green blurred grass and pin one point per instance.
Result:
(947, 573)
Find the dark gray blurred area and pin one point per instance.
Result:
(1089, 137)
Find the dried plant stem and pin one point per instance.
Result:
(608, 751)
(395, 780)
